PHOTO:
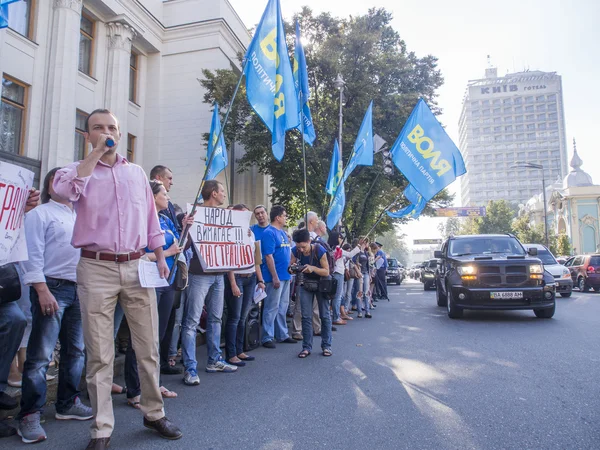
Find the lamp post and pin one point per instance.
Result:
(528, 165)
(339, 83)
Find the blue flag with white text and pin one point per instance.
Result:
(362, 153)
(414, 209)
(269, 79)
(301, 81)
(336, 208)
(219, 160)
(425, 154)
(336, 170)
(4, 12)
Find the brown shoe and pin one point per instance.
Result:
(339, 322)
(98, 444)
(165, 428)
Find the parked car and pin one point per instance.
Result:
(394, 274)
(562, 259)
(492, 272)
(585, 271)
(562, 275)
(428, 274)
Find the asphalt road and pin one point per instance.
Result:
(408, 378)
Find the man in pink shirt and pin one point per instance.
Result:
(116, 220)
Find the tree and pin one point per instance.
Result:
(395, 245)
(498, 219)
(526, 232)
(563, 245)
(376, 65)
(451, 227)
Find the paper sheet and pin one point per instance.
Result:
(149, 276)
(259, 294)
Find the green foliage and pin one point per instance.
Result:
(563, 245)
(395, 245)
(376, 65)
(451, 227)
(498, 219)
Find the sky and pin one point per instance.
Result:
(549, 35)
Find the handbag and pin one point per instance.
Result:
(346, 274)
(311, 285)
(10, 285)
(181, 276)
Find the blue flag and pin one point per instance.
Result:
(336, 170)
(414, 209)
(269, 78)
(219, 161)
(425, 154)
(336, 208)
(301, 82)
(4, 12)
(362, 153)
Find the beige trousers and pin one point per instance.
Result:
(297, 319)
(100, 284)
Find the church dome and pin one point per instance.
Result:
(577, 177)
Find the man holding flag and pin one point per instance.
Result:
(217, 162)
(269, 78)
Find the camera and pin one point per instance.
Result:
(296, 269)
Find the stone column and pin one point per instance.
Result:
(58, 145)
(120, 36)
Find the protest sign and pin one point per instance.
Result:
(221, 239)
(15, 183)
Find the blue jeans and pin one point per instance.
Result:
(209, 289)
(337, 300)
(347, 297)
(66, 326)
(237, 312)
(12, 327)
(275, 307)
(306, 305)
(164, 299)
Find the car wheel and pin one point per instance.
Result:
(545, 313)
(425, 286)
(454, 312)
(581, 284)
(440, 297)
(565, 294)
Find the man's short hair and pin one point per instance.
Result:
(301, 235)
(209, 187)
(158, 171)
(86, 126)
(321, 224)
(276, 211)
(258, 207)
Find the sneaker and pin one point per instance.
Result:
(191, 378)
(368, 316)
(220, 366)
(30, 429)
(269, 344)
(78, 411)
(359, 315)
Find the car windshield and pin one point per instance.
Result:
(485, 245)
(595, 261)
(546, 257)
(392, 264)
(433, 264)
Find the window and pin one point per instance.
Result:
(518, 101)
(497, 110)
(86, 44)
(541, 117)
(552, 98)
(507, 110)
(552, 116)
(529, 117)
(497, 101)
(530, 136)
(519, 128)
(133, 77)
(508, 119)
(13, 111)
(485, 103)
(130, 147)
(531, 126)
(519, 119)
(497, 119)
(80, 140)
(529, 108)
(497, 129)
(519, 109)
(529, 99)
(20, 17)
(542, 126)
(541, 108)
(508, 128)
(540, 98)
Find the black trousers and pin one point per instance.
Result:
(381, 282)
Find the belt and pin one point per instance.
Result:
(115, 257)
(245, 275)
(62, 280)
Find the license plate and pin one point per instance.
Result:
(506, 295)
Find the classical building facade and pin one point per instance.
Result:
(517, 117)
(61, 59)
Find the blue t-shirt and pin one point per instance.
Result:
(275, 242)
(314, 259)
(382, 254)
(258, 231)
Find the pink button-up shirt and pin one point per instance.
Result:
(115, 207)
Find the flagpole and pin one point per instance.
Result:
(303, 160)
(383, 212)
(184, 233)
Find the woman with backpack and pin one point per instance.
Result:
(339, 255)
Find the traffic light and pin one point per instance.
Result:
(388, 168)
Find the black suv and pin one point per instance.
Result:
(428, 274)
(492, 271)
(393, 273)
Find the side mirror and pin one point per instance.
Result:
(437, 254)
(532, 251)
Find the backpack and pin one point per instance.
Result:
(328, 251)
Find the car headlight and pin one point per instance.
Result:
(466, 270)
(566, 273)
(536, 268)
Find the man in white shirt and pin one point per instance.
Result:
(56, 314)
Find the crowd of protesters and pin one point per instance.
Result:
(97, 219)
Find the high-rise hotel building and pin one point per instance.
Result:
(504, 120)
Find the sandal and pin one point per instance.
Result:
(172, 362)
(167, 393)
(327, 352)
(134, 403)
(115, 387)
(303, 354)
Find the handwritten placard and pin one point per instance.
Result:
(221, 239)
(15, 183)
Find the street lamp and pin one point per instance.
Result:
(528, 165)
(339, 83)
